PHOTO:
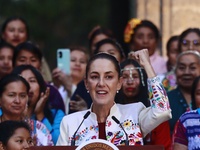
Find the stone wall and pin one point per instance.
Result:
(171, 16)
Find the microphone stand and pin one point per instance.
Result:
(74, 135)
(117, 121)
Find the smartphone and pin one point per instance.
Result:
(63, 60)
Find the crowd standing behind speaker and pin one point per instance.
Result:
(38, 103)
(15, 30)
(68, 95)
(14, 91)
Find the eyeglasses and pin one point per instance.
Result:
(195, 43)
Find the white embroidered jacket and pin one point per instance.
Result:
(136, 119)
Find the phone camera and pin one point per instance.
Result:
(60, 54)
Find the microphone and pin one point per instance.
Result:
(117, 121)
(73, 138)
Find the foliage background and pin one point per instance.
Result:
(59, 23)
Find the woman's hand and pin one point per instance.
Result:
(60, 78)
(34, 140)
(78, 104)
(39, 108)
(142, 57)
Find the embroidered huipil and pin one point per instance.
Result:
(136, 119)
(187, 130)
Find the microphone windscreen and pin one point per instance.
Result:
(115, 119)
(86, 115)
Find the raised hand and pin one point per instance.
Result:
(142, 57)
(39, 108)
(60, 78)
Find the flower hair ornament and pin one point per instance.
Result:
(128, 32)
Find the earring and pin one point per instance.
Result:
(88, 91)
(117, 91)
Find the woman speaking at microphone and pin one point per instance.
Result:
(116, 123)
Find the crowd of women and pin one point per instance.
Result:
(155, 101)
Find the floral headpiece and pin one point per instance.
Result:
(129, 29)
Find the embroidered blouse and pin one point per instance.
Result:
(136, 119)
(187, 130)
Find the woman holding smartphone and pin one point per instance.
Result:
(67, 83)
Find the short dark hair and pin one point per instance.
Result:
(151, 25)
(27, 46)
(12, 78)
(171, 39)
(112, 42)
(194, 87)
(8, 128)
(103, 56)
(38, 76)
(169, 42)
(4, 44)
(79, 48)
(97, 31)
(184, 34)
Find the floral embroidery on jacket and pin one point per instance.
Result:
(133, 131)
(131, 116)
(82, 134)
(158, 95)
